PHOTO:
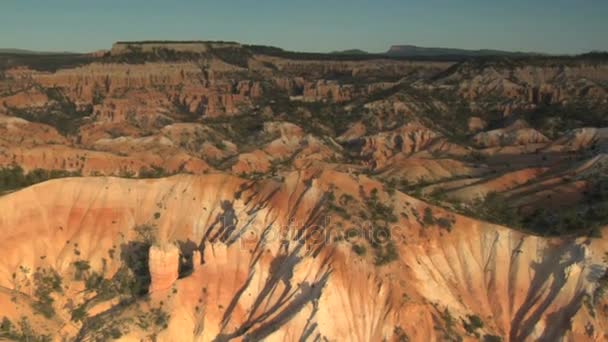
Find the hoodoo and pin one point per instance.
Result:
(164, 266)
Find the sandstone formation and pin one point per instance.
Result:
(520, 285)
(163, 265)
(214, 191)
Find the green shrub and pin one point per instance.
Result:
(334, 207)
(380, 211)
(155, 317)
(445, 223)
(146, 233)
(400, 335)
(21, 332)
(474, 323)
(359, 250)
(492, 208)
(449, 334)
(62, 113)
(160, 317)
(601, 287)
(384, 248)
(385, 254)
(79, 313)
(236, 55)
(14, 177)
(6, 326)
(153, 172)
(391, 186)
(428, 219)
(46, 282)
(492, 338)
(81, 267)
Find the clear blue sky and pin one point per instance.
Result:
(554, 26)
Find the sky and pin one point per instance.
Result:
(549, 26)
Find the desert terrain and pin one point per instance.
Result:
(216, 191)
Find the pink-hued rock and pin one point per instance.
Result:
(164, 267)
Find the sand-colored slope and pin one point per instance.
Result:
(252, 286)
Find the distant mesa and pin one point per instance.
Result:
(31, 52)
(192, 46)
(418, 51)
(351, 52)
(235, 52)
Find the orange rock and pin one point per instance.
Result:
(164, 267)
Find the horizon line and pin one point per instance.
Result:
(332, 51)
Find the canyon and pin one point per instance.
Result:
(216, 191)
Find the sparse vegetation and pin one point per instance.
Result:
(236, 55)
(584, 217)
(378, 210)
(152, 172)
(385, 254)
(44, 62)
(12, 178)
(400, 335)
(106, 326)
(336, 207)
(146, 233)
(391, 186)
(385, 250)
(46, 282)
(449, 323)
(427, 218)
(359, 249)
(491, 338)
(154, 320)
(81, 267)
(473, 324)
(445, 223)
(22, 331)
(601, 286)
(554, 119)
(493, 208)
(373, 102)
(61, 113)
(79, 313)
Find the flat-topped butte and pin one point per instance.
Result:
(125, 47)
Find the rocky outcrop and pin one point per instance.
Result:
(151, 88)
(507, 181)
(323, 147)
(257, 286)
(582, 138)
(28, 134)
(29, 98)
(406, 140)
(321, 90)
(87, 162)
(518, 133)
(412, 170)
(164, 267)
(530, 84)
(476, 124)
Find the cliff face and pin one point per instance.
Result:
(518, 133)
(254, 284)
(529, 84)
(151, 88)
